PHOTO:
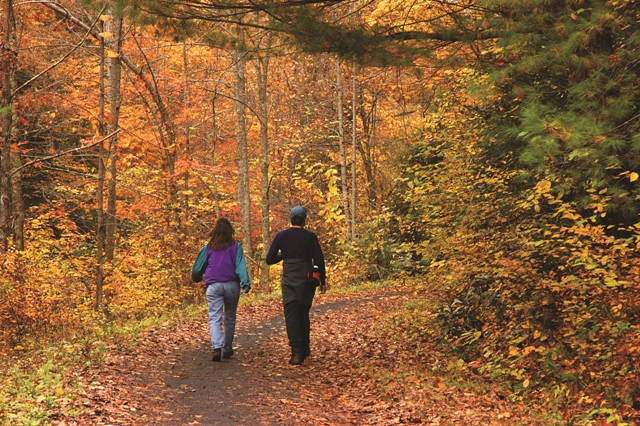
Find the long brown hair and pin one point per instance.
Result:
(221, 236)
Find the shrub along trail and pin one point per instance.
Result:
(351, 377)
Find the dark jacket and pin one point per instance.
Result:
(299, 249)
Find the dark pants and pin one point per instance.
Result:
(296, 317)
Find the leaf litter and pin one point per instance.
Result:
(353, 376)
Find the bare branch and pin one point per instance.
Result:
(52, 66)
(63, 153)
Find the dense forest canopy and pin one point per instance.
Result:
(487, 151)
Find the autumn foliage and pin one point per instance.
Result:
(496, 174)
(533, 290)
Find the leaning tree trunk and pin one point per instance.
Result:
(145, 75)
(166, 133)
(244, 196)
(367, 150)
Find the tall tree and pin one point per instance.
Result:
(9, 54)
(113, 36)
(343, 155)
(366, 145)
(354, 158)
(244, 190)
(354, 132)
(101, 236)
(17, 196)
(213, 140)
(262, 68)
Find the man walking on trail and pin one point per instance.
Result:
(300, 251)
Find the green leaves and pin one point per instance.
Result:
(569, 85)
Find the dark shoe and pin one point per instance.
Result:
(227, 355)
(217, 355)
(295, 358)
(304, 354)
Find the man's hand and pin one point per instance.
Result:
(323, 288)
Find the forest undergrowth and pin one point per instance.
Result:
(495, 180)
(387, 381)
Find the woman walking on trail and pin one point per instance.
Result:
(300, 250)
(224, 276)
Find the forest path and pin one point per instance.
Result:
(170, 379)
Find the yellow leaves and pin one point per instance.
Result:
(543, 186)
(111, 53)
(514, 351)
(633, 176)
(59, 392)
(413, 15)
(610, 282)
(106, 34)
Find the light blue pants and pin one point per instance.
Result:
(219, 295)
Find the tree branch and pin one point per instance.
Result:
(60, 154)
(52, 66)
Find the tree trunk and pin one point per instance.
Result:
(367, 150)
(17, 202)
(6, 102)
(187, 122)
(262, 65)
(343, 155)
(114, 72)
(166, 133)
(167, 136)
(100, 227)
(214, 142)
(17, 196)
(244, 196)
(354, 128)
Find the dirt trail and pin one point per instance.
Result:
(171, 380)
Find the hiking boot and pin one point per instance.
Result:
(217, 355)
(295, 358)
(304, 353)
(227, 355)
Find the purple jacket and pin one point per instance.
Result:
(227, 265)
